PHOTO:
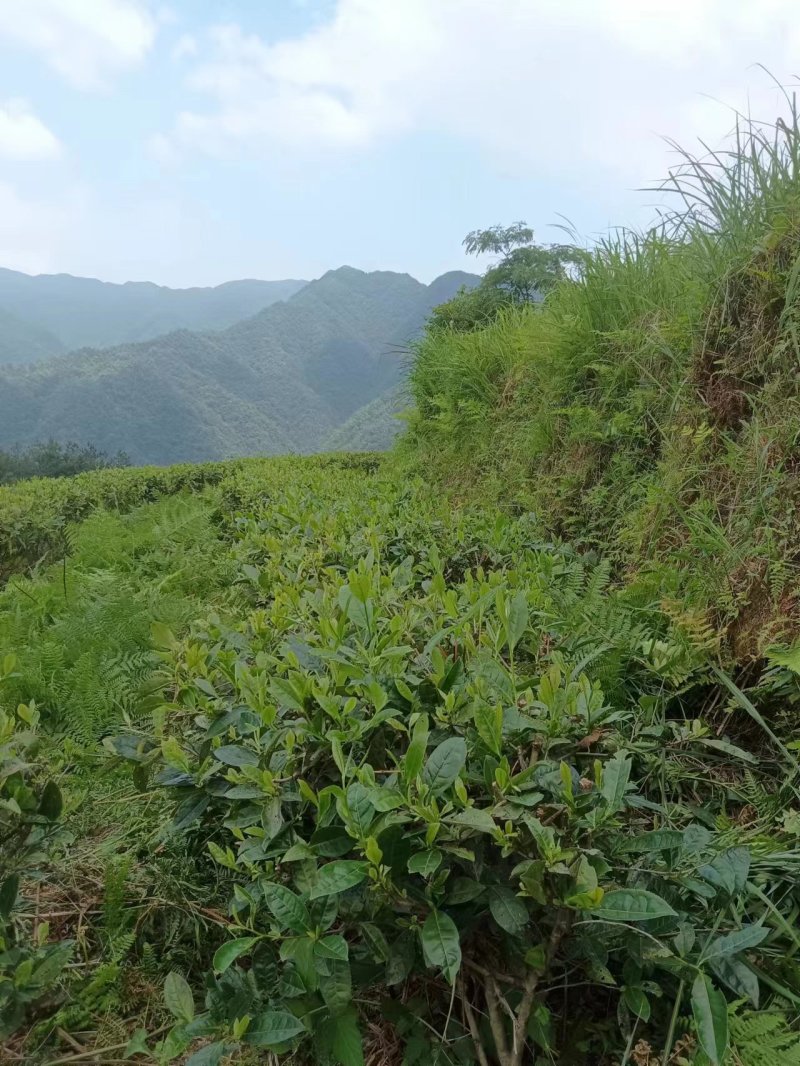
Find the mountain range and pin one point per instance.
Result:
(48, 314)
(322, 365)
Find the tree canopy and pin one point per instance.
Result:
(523, 273)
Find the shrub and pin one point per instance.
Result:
(30, 805)
(437, 824)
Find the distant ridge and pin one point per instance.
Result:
(279, 381)
(79, 312)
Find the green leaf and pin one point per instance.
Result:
(337, 877)
(632, 905)
(360, 807)
(273, 1028)
(517, 619)
(401, 959)
(729, 749)
(50, 801)
(508, 910)
(474, 818)
(728, 871)
(464, 890)
(415, 755)
(375, 941)
(536, 958)
(50, 967)
(174, 1044)
(300, 949)
(732, 943)
(441, 944)
(636, 1002)
(235, 755)
(444, 763)
(710, 1012)
(285, 693)
(227, 953)
(8, 894)
(162, 636)
(655, 840)
(331, 841)
(332, 947)
(346, 1042)
(210, 1055)
(137, 1045)
(425, 863)
(174, 755)
(738, 976)
(489, 724)
(297, 852)
(178, 997)
(696, 839)
(616, 773)
(323, 912)
(336, 985)
(288, 909)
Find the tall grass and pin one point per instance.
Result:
(649, 408)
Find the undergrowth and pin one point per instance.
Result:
(648, 409)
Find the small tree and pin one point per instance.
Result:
(524, 273)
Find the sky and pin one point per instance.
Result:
(191, 142)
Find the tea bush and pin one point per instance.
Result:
(466, 796)
(30, 805)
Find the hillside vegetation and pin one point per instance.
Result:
(22, 341)
(650, 410)
(484, 753)
(278, 382)
(53, 313)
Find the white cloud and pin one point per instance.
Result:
(186, 45)
(86, 41)
(34, 231)
(544, 83)
(23, 136)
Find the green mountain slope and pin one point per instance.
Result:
(280, 381)
(83, 311)
(373, 427)
(21, 341)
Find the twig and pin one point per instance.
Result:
(65, 1036)
(560, 929)
(472, 1024)
(496, 1020)
(504, 977)
(101, 1050)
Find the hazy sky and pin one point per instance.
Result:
(194, 141)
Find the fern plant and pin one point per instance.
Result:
(762, 1038)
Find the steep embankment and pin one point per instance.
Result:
(650, 409)
(280, 381)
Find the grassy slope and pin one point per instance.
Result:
(650, 410)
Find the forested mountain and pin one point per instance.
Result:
(22, 341)
(373, 427)
(282, 380)
(76, 312)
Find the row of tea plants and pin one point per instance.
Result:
(471, 803)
